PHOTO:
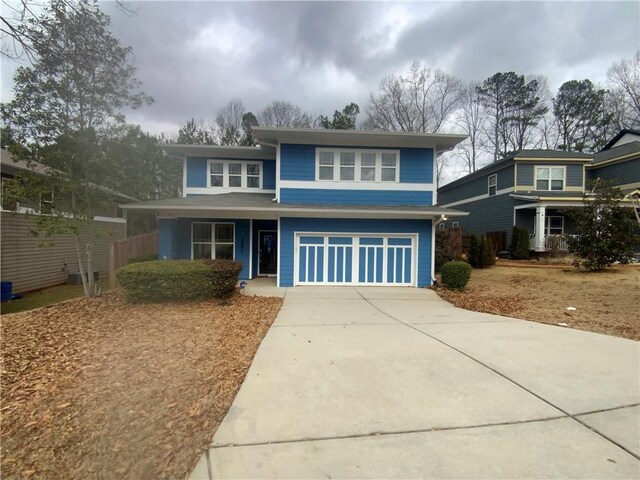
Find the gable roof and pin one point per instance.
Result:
(621, 134)
(615, 152)
(356, 138)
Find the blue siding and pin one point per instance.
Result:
(575, 175)
(525, 174)
(298, 162)
(477, 186)
(196, 172)
(355, 197)
(269, 174)
(175, 239)
(288, 227)
(622, 173)
(416, 165)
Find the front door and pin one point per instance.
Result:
(267, 252)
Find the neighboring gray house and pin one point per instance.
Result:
(531, 188)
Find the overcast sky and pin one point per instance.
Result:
(194, 56)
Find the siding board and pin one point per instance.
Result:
(31, 267)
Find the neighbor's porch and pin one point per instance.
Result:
(548, 226)
(252, 242)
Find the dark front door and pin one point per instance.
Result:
(267, 252)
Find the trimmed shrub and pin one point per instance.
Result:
(522, 252)
(455, 275)
(143, 258)
(166, 280)
(488, 254)
(474, 249)
(225, 276)
(513, 245)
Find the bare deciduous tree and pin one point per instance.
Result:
(229, 122)
(470, 118)
(625, 76)
(281, 113)
(419, 101)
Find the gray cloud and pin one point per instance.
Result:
(194, 56)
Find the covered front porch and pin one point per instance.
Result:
(548, 226)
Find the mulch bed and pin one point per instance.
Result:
(507, 305)
(103, 389)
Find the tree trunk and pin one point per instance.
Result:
(83, 276)
(92, 280)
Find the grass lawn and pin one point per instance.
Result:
(605, 302)
(101, 388)
(42, 298)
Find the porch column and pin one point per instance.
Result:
(540, 223)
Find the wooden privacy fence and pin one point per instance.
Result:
(125, 250)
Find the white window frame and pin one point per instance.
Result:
(213, 242)
(441, 226)
(493, 185)
(358, 165)
(547, 224)
(550, 168)
(225, 174)
(455, 224)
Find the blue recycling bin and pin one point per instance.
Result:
(6, 290)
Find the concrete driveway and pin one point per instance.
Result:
(397, 383)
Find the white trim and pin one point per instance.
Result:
(357, 165)
(434, 177)
(184, 177)
(455, 224)
(549, 167)
(547, 226)
(243, 175)
(355, 257)
(260, 274)
(219, 190)
(278, 186)
(477, 197)
(433, 254)
(279, 255)
(250, 248)
(99, 218)
(344, 185)
(494, 176)
(213, 237)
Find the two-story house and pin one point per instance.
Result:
(309, 206)
(534, 188)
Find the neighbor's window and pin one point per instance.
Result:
(441, 226)
(351, 165)
(554, 225)
(493, 184)
(549, 178)
(455, 224)
(235, 174)
(212, 240)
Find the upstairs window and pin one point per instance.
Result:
(351, 165)
(493, 185)
(234, 174)
(549, 178)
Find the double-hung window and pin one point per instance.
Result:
(351, 165)
(554, 225)
(235, 174)
(549, 178)
(493, 185)
(212, 240)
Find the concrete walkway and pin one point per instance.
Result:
(397, 383)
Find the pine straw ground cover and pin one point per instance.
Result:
(605, 302)
(103, 389)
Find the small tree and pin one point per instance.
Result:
(522, 250)
(604, 229)
(473, 250)
(488, 254)
(513, 245)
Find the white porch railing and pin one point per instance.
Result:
(551, 242)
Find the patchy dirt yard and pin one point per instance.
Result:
(103, 389)
(605, 302)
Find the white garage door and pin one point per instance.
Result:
(355, 259)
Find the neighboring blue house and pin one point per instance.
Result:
(531, 188)
(311, 207)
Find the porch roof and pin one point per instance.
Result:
(248, 203)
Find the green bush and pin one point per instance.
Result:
(143, 258)
(166, 280)
(522, 252)
(513, 245)
(455, 275)
(474, 249)
(488, 254)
